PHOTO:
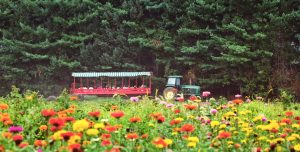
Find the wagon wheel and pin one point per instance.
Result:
(170, 93)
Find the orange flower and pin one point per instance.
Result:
(135, 119)
(159, 142)
(117, 114)
(289, 113)
(43, 127)
(286, 120)
(40, 143)
(224, 135)
(73, 98)
(132, 136)
(7, 135)
(190, 107)
(144, 136)
(2, 148)
(155, 115)
(111, 128)
(3, 106)
(187, 128)
(237, 101)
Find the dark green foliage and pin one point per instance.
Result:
(241, 46)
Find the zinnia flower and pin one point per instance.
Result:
(17, 139)
(40, 143)
(134, 99)
(75, 148)
(237, 101)
(160, 119)
(3, 106)
(289, 113)
(213, 111)
(15, 129)
(224, 135)
(135, 119)
(190, 107)
(111, 128)
(81, 125)
(43, 127)
(187, 128)
(94, 114)
(67, 135)
(57, 123)
(132, 136)
(117, 114)
(92, 132)
(48, 112)
(238, 96)
(105, 142)
(193, 98)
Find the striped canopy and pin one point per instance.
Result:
(110, 74)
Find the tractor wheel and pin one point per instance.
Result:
(170, 93)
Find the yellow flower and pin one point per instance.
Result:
(192, 144)
(81, 125)
(57, 135)
(214, 123)
(244, 125)
(191, 116)
(296, 136)
(230, 142)
(291, 138)
(99, 125)
(222, 126)
(174, 133)
(297, 147)
(295, 126)
(179, 119)
(262, 138)
(151, 125)
(92, 132)
(74, 139)
(168, 141)
(193, 139)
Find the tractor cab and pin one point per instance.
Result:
(174, 81)
(174, 86)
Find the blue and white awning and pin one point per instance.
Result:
(110, 74)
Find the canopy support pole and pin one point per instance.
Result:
(136, 82)
(115, 85)
(128, 82)
(122, 82)
(81, 83)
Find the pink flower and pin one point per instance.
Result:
(248, 100)
(213, 111)
(205, 94)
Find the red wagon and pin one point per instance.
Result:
(110, 83)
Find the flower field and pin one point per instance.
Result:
(30, 123)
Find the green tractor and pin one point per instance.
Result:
(175, 87)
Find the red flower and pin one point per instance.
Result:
(135, 119)
(57, 123)
(193, 98)
(160, 119)
(95, 113)
(48, 112)
(132, 136)
(286, 120)
(297, 118)
(75, 148)
(23, 144)
(176, 111)
(117, 114)
(224, 135)
(289, 113)
(190, 107)
(273, 130)
(111, 128)
(105, 136)
(105, 142)
(187, 128)
(283, 135)
(17, 139)
(237, 101)
(69, 119)
(67, 135)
